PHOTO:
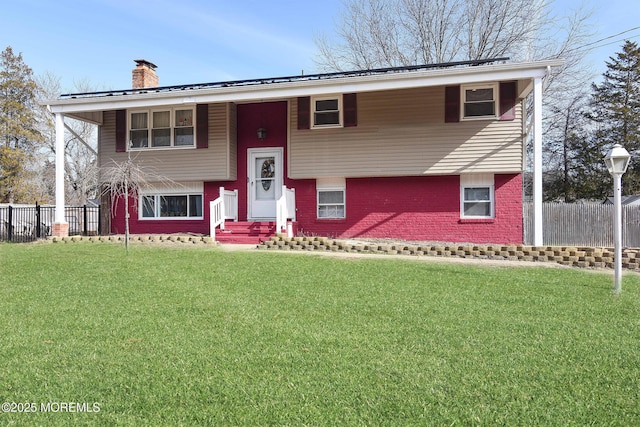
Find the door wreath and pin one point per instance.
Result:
(267, 171)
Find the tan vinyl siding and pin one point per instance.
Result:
(107, 139)
(191, 164)
(402, 133)
(232, 149)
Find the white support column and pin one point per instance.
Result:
(60, 226)
(537, 162)
(617, 232)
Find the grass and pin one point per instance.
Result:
(186, 336)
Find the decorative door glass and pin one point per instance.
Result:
(265, 178)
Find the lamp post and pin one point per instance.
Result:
(617, 160)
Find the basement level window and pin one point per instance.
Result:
(331, 203)
(477, 202)
(477, 196)
(173, 206)
(165, 128)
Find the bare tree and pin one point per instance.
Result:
(127, 179)
(81, 170)
(388, 33)
(565, 137)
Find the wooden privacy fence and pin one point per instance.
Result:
(569, 224)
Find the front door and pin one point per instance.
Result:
(265, 182)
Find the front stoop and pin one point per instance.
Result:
(246, 232)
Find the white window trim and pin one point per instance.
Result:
(331, 184)
(314, 99)
(496, 100)
(157, 197)
(172, 118)
(179, 189)
(478, 181)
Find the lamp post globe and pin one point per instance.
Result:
(617, 160)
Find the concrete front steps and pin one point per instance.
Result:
(246, 232)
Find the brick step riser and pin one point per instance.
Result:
(253, 240)
(249, 226)
(246, 232)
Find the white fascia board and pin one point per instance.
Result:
(284, 90)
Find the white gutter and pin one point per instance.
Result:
(280, 90)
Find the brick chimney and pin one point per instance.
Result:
(144, 75)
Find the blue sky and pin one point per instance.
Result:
(195, 41)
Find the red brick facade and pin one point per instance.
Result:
(411, 208)
(415, 208)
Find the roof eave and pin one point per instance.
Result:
(369, 83)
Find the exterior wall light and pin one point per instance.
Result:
(262, 133)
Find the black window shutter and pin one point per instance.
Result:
(451, 104)
(350, 103)
(304, 112)
(202, 126)
(507, 100)
(121, 131)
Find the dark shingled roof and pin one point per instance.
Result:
(273, 80)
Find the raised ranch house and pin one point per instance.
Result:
(433, 152)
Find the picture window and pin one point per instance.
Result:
(171, 206)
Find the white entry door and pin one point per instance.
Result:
(265, 182)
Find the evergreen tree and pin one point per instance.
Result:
(616, 111)
(18, 133)
(590, 179)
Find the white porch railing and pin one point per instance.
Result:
(285, 210)
(223, 208)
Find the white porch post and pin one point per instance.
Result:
(537, 162)
(60, 226)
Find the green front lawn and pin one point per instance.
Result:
(199, 336)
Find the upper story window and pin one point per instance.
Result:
(327, 111)
(479, 101)
(173, 127)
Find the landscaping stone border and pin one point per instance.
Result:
(138, 238)
(583, 257)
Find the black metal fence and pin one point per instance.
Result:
(25, 223)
